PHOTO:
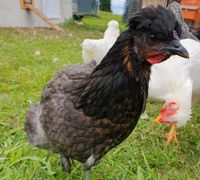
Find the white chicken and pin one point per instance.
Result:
(177, 83)
(193, 48)
(174, 87)
(96, 49)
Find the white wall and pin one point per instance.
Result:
(11, 15)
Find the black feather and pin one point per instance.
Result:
(157, 21)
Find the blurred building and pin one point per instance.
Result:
(11, 15)
(83, 8)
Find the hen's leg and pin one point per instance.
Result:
(88, 164)
(87, 174)
(65, 163)
(172, 135)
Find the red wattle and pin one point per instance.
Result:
(156, 59)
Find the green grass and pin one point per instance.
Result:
(23, 75)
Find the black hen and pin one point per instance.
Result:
(85, 110)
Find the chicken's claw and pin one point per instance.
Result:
(172, 135)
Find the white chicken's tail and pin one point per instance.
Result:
(112, 30)
(96, 49)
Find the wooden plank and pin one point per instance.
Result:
(43, 17)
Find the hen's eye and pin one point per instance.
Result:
(152, 37)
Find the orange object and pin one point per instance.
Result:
(191, 11)
(24, 2)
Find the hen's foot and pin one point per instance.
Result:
(172, 135)
(65, 163)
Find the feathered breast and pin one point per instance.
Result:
(114, 89)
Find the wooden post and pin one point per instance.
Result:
(29, 5)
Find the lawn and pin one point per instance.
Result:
(23, 74)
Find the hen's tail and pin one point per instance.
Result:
(33, 126)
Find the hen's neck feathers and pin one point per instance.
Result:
(117, 88)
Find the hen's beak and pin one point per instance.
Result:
(157, 120)
(175, 48)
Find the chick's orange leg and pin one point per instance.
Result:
(172, 135)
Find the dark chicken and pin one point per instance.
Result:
(86, 110)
